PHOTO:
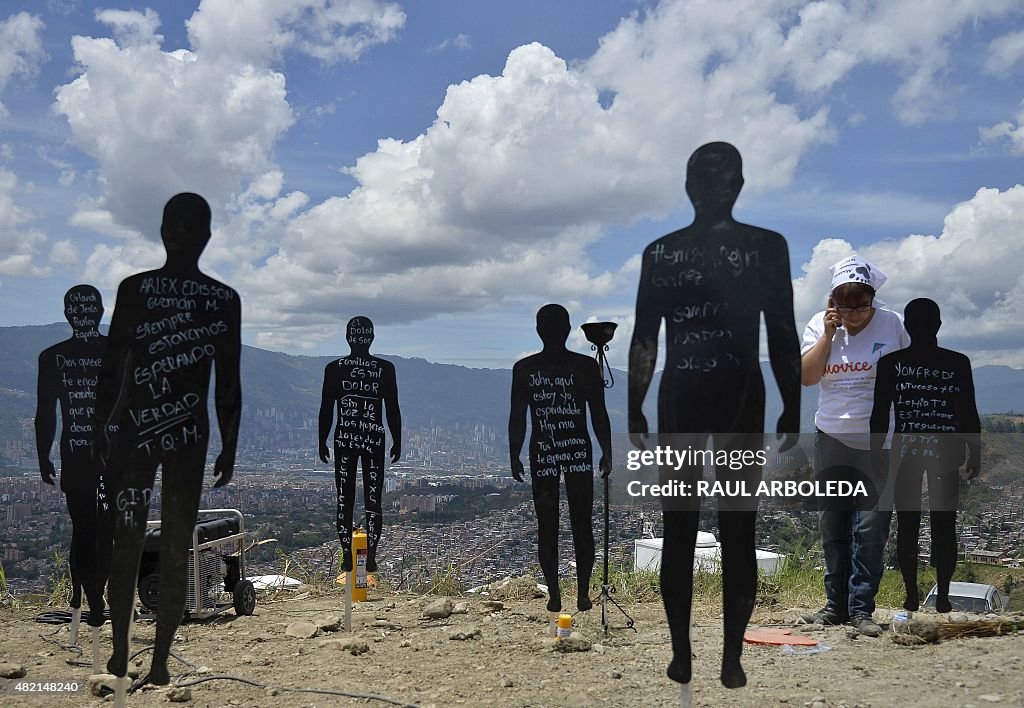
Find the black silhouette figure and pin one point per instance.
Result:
(937, 429)
(68, 372)
(364, 389)
(558, 386)
(170, 328)
(709, 282)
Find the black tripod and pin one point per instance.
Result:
(599, 334)
(607, 590)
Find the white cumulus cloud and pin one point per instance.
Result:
(21, 53)
(971, 269)
(204, 119)
(132, 28)
(64, 253)
(163, 122)
(1004, 53)
(502, 196)
(1008, 132)
(460, 41)
(19, 242)
(260, 31)
(21, 49)
(500, 199)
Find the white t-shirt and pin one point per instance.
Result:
(847, 388)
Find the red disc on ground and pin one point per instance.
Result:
(777, 636)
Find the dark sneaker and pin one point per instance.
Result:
(826, 615)
(866, 626)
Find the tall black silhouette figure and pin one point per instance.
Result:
(557, 387)
(68, 373)
(170, 328)
(709, 283)
(937, 430)
(364, 389)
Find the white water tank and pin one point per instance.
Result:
(707, 555)
(706, 540)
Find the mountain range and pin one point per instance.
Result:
(431, 394)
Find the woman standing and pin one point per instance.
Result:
(840, 352)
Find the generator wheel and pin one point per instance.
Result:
(245, 598)
(149, 591)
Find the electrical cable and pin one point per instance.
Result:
(66, 647)
(173, 653)
(321, 691)
(227, 677)
(62, 617)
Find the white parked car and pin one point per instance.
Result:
(970, 597)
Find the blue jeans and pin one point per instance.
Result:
(853, 532)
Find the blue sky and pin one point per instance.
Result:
(448, 167)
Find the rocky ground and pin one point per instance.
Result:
(490, 653)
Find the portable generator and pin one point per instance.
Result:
(216, 565)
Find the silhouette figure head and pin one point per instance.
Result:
(359, 334)
(714, 178)
(553, 326)
(186, 226)
(921, 318)
(83, 308)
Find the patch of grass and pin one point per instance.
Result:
(7, 600)
(633, 586)
(318, 574)
(447, 582)
(891, 592)
(629, 586)
(60, 580)
(796, 583)
(1009, 581)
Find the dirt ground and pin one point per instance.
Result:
(415, 661)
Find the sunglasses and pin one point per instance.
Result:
(847, 310)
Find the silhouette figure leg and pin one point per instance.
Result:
(943, 555)
(373, 491)
(944, 501)
(908, 528)
(545, 504)
(345, 470)
(181, 490)
(104, 546)
(82, 528)
(91, 545)
(736, 521)
(739, 589)
(131, 509)
(78, 556)
(579, 490)
(680, 539)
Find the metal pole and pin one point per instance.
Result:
(605, 529)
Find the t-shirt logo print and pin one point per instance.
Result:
(877, 346)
